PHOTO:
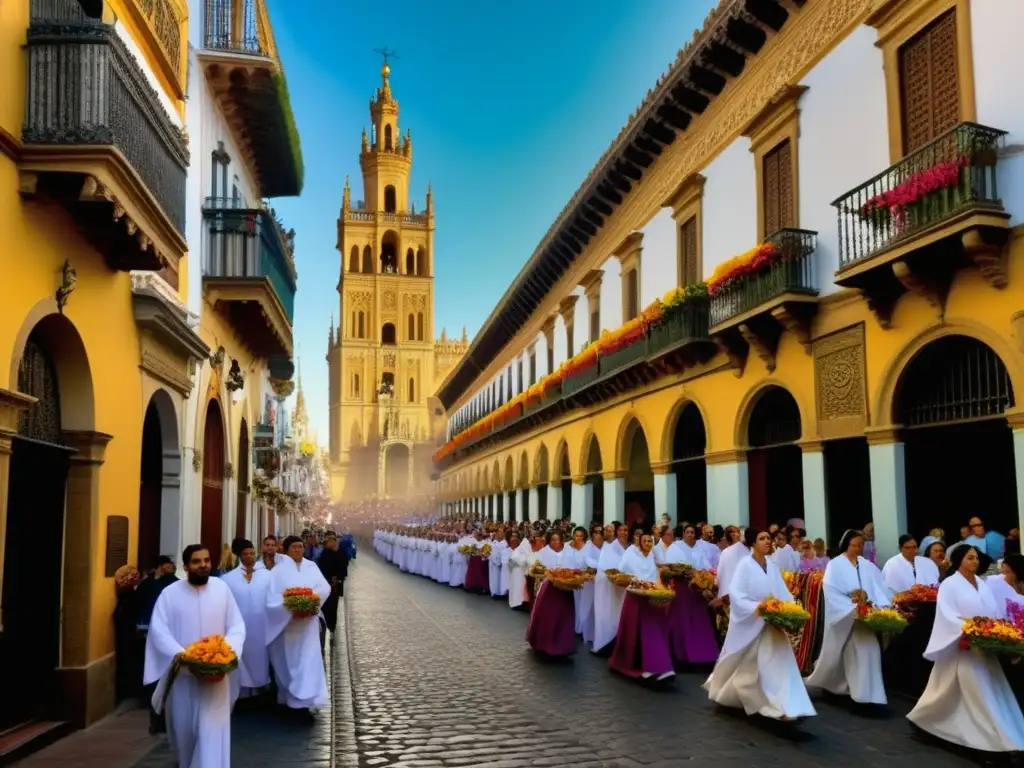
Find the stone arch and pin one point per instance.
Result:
(367, 259)
(65, 347)
(422, 269)
(630, 423)
(410, 262)
(496, 476)
(560, 461)
(885, 398)
(541, 466)
(353, 259)
(591, 456)
(750, 401)
(674, 414)
(509, 481)
(523, 480)
(160, 476)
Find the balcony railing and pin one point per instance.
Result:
(406, 219)
(238, 26)
(86, 88)
(247, 243)
(688, 323)
(951, 175)
(793, 273)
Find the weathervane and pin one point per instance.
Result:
(387, 53)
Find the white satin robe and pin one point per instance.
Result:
(251, 597)
(607, 597)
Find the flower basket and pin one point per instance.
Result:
(995, 637)
(567, 579)
(618, 578)
(882, 621)
(677, 570)
(909, 600)
(794, 581)
(659, 596)
(302, 602)
(466, 549)
(592, 572)
(705, 583)
(484, 551)
(209, 659)
(537, 571)
(782, 614)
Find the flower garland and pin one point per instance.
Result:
(751, 262)
(921, 183)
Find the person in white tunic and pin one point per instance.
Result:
(198, 714)
(249, 588)
(519, 560)
(270, 556)
(1007, 585)
(607, 596)
(666, 540)
(295, 642)
(727, 563)
(906, 569)
(757, 670)
(850, 663)
(968, 700)
(591, 558)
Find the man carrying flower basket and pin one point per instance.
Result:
(196, 635)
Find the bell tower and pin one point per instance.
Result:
(386, 155)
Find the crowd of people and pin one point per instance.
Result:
(714, 615)
(239, 608)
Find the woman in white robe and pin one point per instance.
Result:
(666, 540)
(727, 564)
(757, 669)
(850, 663)
(578, 546)
(607, 596)
(906, 569)
(519, 560)
(1008, 585)
(968, 700)
(249, 588)
(460, 561)
(505, 558)
(591, 558)
(294, 643)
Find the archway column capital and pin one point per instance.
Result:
(1015, 417)
(614, 474)
(661, 467)
(91, 446)
(728, 456)
(578, 479)
(884, 434)
(812, 445)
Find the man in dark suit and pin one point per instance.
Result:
(333, 563)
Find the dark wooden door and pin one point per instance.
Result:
(212, 529)
(242, 513)
(150, 490)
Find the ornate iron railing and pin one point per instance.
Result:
(246, 243)
(952, 174)
(85, 87)
(794, 272)
(236, 26)
(680, 325)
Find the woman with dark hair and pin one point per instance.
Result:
(692, 637)
(517, 561)
(906, 569)
(757, 670)
(585, 607)
(1008, 585)
(641, 644)
(552, 627)
(968, 700)
(850, 663)
(936, 552)
(608, 596)
(580, 540)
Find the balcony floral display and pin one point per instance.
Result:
(758, 259)
(894, 203)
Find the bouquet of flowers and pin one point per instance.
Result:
(537, 570)
(794, 581)
(467, 549)
(303, 602)
(209, 659)
(883, 621)
(484, 551)
(567, 579)
(705, 584)
(677, 570)
(656, 594)
(618, 578)
(788, 616)
(992, 636)
(591, 571)
(909, 599)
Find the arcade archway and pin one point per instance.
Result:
(689, 443)
(397, 464)
(159, 481)
(774, 462)
(211, 530)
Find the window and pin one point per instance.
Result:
(352, 327)
(777, 189)
(689, 256)
(387, 334)
(353, 259)
(355, 385)
(412, 327)
(929, 82)
(367, 259)
(219, 172)
(387, 137)
(410, 262)
(419, 326)
(421, 262)
(533, 368)
(412, 390)
(389, 199)
(362, 326)
(595, 324)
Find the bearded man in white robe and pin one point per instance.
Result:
(249, 586)
(198, 713)
(294, 642)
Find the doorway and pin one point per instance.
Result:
(775, 462)
(212, 526)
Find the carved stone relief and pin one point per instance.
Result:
(414, 302)
(358, 299)
(388, 300)
(840, 383)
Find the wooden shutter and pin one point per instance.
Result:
(929, 83)
(777, 191)
(631, 295)
(595, 325)
(688, 257)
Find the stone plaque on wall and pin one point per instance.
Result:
(840, 383)
(117, 544)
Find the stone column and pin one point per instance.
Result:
(815, 496)
(728, 491)
(614, 495)
(582, 501)
(888, 489)
(1016, 421)
(665, 492)
(555, 501)
(534, 503)
(11, 406)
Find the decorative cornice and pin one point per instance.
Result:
(689, 190)
(11, 406)
(9, 145)
(591, 282)
(729, 456)
(777, 111)
(168, 322)
(883, 435)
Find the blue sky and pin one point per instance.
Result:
(510, 105)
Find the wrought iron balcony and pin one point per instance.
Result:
(241, 63)
(97, 138)
(247, 268)
(793, 274)
(950, 178)
(681, 327)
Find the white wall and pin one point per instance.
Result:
(658, 271)
(611, 295)
(729, 207)
(844, 139)
(998, 63)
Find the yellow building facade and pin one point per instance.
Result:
(383, 360)
(835, 175)
(92, 200)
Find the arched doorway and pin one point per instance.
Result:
(774, 462)
(33, 552)
(592, 477)
(510, 493)
(242, 511)
(211, 532)
(396, 470)
(689, 442)
(159, 481)
(524, 486)
(542, 482)
(389, 252)
(387, 334)
(564, 475)
(951, 399)
(639, 480)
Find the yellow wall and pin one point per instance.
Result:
(973, 308)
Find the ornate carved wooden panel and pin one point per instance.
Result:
(929, 82)
(840, 383)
